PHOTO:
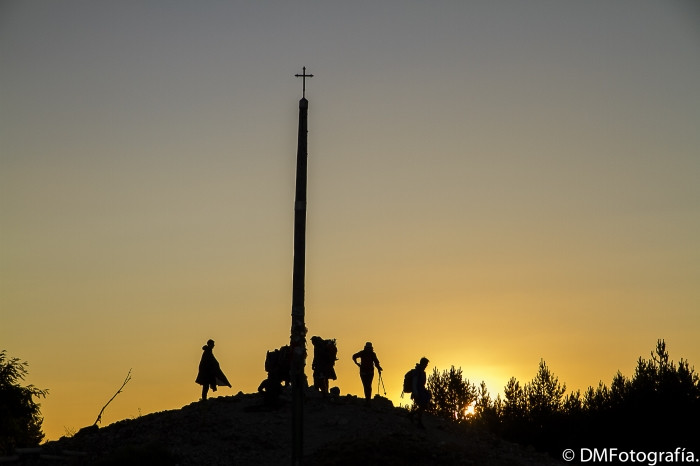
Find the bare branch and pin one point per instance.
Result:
(126, 380)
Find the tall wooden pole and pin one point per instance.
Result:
(298, 333)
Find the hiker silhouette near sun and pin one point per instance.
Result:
(210, 373)
(419, 393)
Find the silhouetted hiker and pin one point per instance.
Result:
(210, 374)
(368, 359)
(414, 382)
(277, 366)
(325, 352)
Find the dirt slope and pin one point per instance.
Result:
(240, 430)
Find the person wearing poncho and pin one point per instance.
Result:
(210, 373)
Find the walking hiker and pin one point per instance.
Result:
(325, 352)
(210, 374)
(368, 359)
(419, 394)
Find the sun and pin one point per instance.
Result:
(469, 411)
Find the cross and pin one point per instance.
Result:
(303, 77)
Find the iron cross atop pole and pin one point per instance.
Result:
(297, 340)
(303, 77)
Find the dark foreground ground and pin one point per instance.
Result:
(239, 430)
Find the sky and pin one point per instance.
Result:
(491, 183)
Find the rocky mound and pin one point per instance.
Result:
(240, 430)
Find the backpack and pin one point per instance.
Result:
(272, 360)
(331, 351)
(278, 361)
(408, 381)
(325, 352)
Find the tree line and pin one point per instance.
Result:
(658, 407)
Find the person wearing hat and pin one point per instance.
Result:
(210, 373)
(368, 359)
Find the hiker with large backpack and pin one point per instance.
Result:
(277, 366)
(414, 383)
(325, 352)
(368, 359)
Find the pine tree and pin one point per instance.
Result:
(20, 415)
(544, 394)
(451, 393)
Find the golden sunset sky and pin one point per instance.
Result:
(490, 183)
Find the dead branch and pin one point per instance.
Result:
(126, 380)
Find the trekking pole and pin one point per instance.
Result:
(382, 382)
